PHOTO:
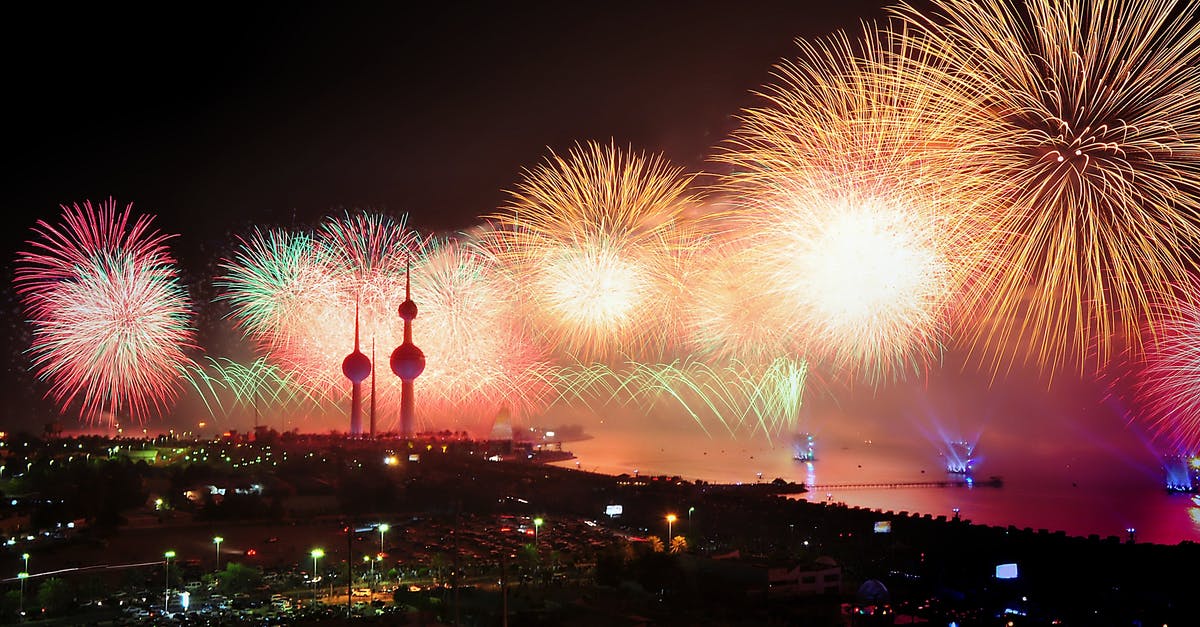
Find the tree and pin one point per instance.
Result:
(437, 563)
(237, 578)
(56, 596)
(9, 603)
(679, 544)
(656, 544)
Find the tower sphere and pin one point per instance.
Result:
(408, 362)
(407, 310)
(357, 367)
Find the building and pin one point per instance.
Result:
(821, 576)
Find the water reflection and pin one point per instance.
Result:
(1079, 491)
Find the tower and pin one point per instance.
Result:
(408, 362)
(357, 367)
(372, 390)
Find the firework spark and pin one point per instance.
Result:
(111, 321)
(597, 235)
(855, 221)
(728, 314)
(1088, 119)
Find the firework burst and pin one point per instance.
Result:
(271, 282)
(479, 358)
(856, 222)
(1088, 120)
(111, 321)
(728, 315)
(1168, 380)
(597, 235)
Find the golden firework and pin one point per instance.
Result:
(1088, 119)
(596, 236)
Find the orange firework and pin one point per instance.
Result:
(729, 315)
(1088, 120)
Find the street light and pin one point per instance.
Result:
(383, 527)
(690, 510)
(167, 580)
(670, 523)
(21, 604)
(23, 575)
(316, 554)
(217, 540)
(537, 524)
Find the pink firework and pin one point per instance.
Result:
(1168, 388)
(111, 320)
(480, 361)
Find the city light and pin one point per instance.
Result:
(217, 540)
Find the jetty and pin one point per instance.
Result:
(990, 482)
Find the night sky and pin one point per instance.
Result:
(281, 114)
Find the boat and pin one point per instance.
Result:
(803, 447)
(1182, 473)
(959, 460)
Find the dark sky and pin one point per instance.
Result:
(217, 119)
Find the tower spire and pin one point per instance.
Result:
(372, 389)
(356, 298)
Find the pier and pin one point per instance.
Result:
(990, 482)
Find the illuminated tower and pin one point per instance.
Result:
(372, 390)
(408, 362)
(357, 367)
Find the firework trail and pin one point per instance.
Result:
(1088, 119)
(598, 238)
(111, 321)
(856, 219)
(225, 385)
(740, 397)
